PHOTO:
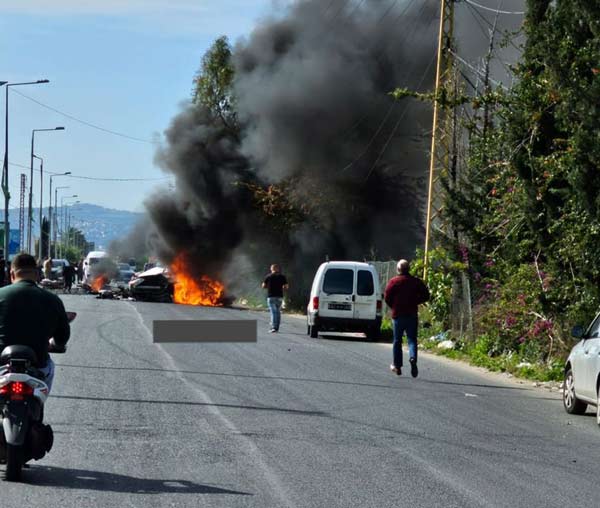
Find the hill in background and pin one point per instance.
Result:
(99, 225)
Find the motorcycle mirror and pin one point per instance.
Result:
(71, 316)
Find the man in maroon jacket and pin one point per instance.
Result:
(403, 295)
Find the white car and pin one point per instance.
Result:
(582, 371)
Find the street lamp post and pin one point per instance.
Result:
(30, 214)
(5, 167)
(64, 222)
(41, 159)
(69, 215)
(56, 215)
(50, 237)
(2, 83)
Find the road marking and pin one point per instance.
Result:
(471, 395)
(270, 476)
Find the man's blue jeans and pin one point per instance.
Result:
(48, 371)
(410, 325)
(274, 304)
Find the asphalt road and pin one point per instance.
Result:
(291, 422)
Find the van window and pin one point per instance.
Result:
(338, 281)
(365, 285)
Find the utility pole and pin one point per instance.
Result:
(22, 211)
(441, 138)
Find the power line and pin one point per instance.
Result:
(394, 104)
(393, 133)
(99, 179)
(475, 13)
(496, 11)
(474, 69)
(88, 124)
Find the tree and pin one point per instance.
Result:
(530, 203)
(213, 83)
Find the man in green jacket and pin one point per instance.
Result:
(31, 316)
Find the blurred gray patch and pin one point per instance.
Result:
(205, 330)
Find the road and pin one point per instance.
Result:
(291, 422)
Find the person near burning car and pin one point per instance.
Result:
(68, 276)
(32, 316)
(80, 271)
(48, 268)
(403, 294)
(275, 283)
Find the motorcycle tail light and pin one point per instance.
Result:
(16, 390)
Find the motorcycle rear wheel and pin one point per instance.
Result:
(14, 463)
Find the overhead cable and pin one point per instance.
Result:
(496, 11)
(71, 117)
(99, 179)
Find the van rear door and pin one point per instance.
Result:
(336, 293)
(365, 305)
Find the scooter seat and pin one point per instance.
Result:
(17, 352)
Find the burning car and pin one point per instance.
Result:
(154, 285)
(175, 284)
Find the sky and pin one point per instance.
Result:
(122, 65)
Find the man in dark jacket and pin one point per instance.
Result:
(30, 315)
(403, 295)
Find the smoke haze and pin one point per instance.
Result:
(316, 120)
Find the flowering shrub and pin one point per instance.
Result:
(511, 314)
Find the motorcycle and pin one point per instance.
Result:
(23, 393)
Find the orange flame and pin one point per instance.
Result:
(190, 291)
(99, 283)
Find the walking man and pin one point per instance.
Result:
(275, 283)
(403, 294)
(68, 276)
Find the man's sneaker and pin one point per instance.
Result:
(414, 370)
(395, 370)
(272, 330)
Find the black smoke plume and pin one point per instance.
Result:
(316, 123)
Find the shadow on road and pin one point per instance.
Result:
(394, 386)
(98, 480)
(189, 403)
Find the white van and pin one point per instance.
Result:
(345, 297)
(92, 259)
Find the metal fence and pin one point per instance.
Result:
(386, 270)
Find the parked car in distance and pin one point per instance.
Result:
(58, 266)
(345, 297)
(582, 371)
(126, 271)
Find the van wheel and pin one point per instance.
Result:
(313, 331)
